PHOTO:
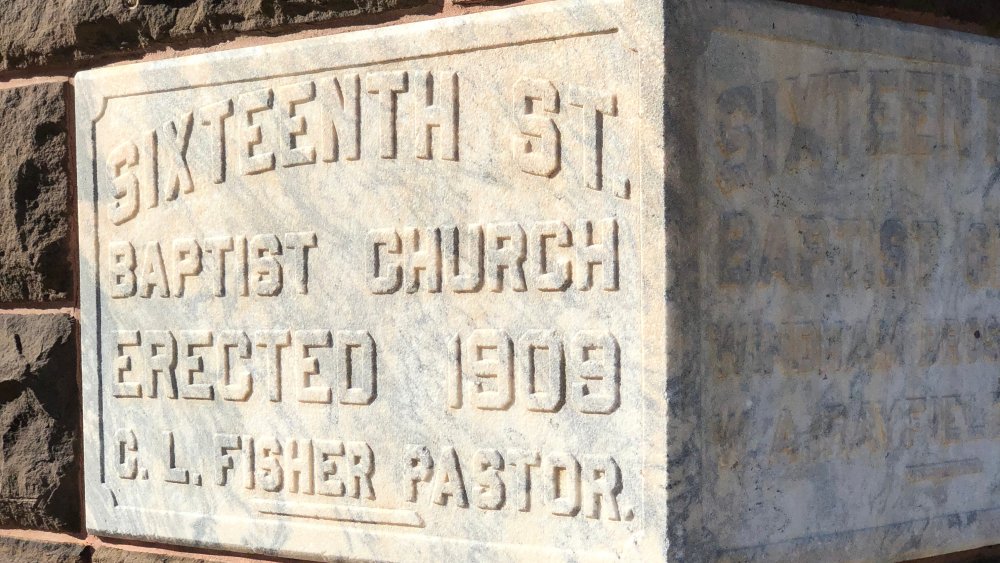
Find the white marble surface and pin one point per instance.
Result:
(834, 189)
(770, 277)
(286, 352)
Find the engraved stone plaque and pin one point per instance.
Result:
(394, 294)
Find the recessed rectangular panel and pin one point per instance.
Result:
(381, 294)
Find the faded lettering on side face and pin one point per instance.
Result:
(850, 337)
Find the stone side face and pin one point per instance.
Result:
(39, 423)
(39, 33)
(34, 194)
(799, 439)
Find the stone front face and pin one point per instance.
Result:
(39, 422)
(34, 194)
(381, 294)
(847, 316)
(38, 33)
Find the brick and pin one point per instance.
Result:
(38, 33)
(34, 194)
(39, 423)
(989, 554)
(106, 554)
(34, 551)
(973, 16)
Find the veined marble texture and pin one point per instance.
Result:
(832, 183)
(579, 280)
(382, 295)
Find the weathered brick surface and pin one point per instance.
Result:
(15, 550)
(106, 554)
(962, 10)
(34, 194)
(976, 16)
(37, 33)
(39, 423)
(989, 554)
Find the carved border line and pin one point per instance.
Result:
(611, 30)
(827, 46)
(818, 539)
(343, 513)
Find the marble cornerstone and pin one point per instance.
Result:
(582, 280)
(381, 294)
